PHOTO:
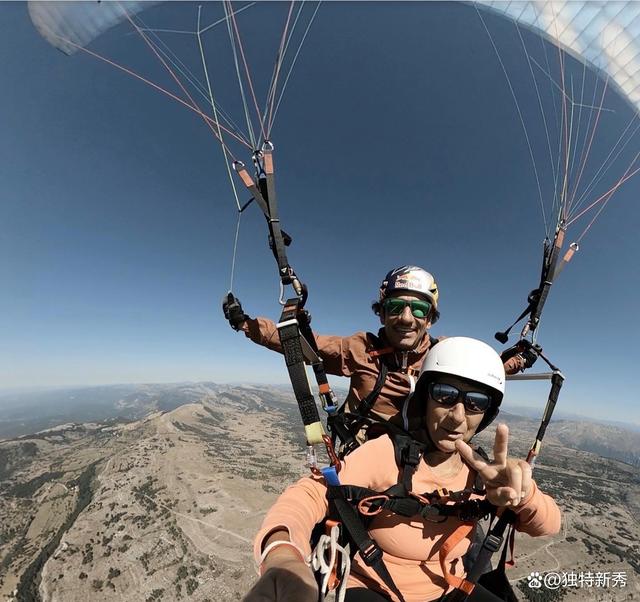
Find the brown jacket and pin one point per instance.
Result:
(355, 357)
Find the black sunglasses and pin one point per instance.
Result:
(475, 402)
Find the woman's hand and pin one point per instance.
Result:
(285, 577)
(507, 481)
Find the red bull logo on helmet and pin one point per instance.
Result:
(410, 278)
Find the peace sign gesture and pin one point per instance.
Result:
(506, 480)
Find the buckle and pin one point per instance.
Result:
(493, 542)
(406, 506)
(433, 513)
(371, 555)
(412, 454)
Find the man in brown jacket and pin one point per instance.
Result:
(382, 369)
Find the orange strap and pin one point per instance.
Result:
(452, 541)
(334, 579)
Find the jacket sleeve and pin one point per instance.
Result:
(263, 332)
(338, 353)
(538, 514)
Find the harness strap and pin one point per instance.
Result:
(291, 341)
(368, 402)
(491, 544)
(278, 239)
(398, 501)
(345, 426)
(274, 222)
(327, 396)
(410, 456)
(369, 551)
(451, 542)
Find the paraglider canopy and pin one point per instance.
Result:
(69, 26)
(602, 33)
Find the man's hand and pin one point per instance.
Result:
(233, 311)
(520, 356)
(506, 480)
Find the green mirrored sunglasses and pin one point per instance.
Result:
(395, 306)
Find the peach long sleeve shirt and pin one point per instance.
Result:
(410, 545)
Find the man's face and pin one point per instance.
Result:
(404, 331)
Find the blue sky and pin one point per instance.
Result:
(398, 142)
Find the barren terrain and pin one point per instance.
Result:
(165, 508)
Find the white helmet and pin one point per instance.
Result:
(469, 359)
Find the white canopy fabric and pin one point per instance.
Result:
(603, 33)
(69, 25)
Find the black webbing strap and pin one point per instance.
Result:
(278, 242)
(338, 422)
(491, 544)
(368, 402)
(398, 501)
(557, 379)
(538, 297)
(264, 193)
(369, 551)
(326, 394)
(291, 341)
(269, 207)
(410, 456)
(548, 274)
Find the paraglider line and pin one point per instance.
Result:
(295, 58)
(246, 67)
(621, 181)
(575, 145)
(571, 100)
(208, 27)
(588, 128)
(154, 30)
(279, 60)
(598, 176)
(240, 85)
(593, 131)
(515, 99)
(146, 81)
(235, 251)
(184, 70)
(168, 68)
(565, 129)
(570, 145)
(544, 120)
(215, 112)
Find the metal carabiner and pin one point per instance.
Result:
(331, 452)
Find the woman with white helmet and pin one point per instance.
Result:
(416, 498)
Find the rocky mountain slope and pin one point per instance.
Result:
(165, 507)
(159, 509)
